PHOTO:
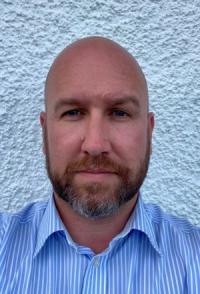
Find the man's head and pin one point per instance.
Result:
(97, 129)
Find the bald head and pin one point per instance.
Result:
(90, 56)
(96, 119)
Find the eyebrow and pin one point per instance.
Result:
(65, 102)
(112, 101)
(125, 100)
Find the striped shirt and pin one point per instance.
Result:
(154, 254)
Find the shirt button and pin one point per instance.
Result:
(96, 262)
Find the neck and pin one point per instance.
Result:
(95, 234)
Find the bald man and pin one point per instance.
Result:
(95, 234)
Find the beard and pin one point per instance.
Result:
(97, 200)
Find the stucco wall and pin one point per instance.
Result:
(163, 35)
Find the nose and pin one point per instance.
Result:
(96, 138)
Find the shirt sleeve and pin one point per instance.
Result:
(193, 274)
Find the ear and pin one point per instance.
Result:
(42, 119)
(43, 126)
(151, 121)
(151, 124)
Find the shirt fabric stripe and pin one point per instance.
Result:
(155, 253)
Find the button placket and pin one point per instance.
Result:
(96, 262)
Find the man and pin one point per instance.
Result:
(95, 235)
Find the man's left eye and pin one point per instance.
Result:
(119, 113)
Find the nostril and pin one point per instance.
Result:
(95, 146)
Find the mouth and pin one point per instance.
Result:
(95, 175)
(96, 171)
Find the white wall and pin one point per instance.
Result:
(163, 35)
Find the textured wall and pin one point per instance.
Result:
(163, 35)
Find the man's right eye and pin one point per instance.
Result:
(72, 113)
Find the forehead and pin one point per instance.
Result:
(95, 74)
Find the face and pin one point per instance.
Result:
(97, 133)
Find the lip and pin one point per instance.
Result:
(96, 171)
(95, 175)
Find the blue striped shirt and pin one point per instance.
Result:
(154, 254)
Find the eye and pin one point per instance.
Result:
(72, 114)
(119, 113)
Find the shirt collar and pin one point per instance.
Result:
(139, 220)
(50, 224)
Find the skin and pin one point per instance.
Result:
(100, 78)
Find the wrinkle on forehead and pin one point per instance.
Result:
(95, 49)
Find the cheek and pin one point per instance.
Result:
(63, 145)
(130, 143)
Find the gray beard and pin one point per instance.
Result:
(92, 200)
(89, 200)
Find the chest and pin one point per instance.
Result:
(132, 267)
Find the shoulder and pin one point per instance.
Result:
(28, 217)
(158, 216)
(174, 233)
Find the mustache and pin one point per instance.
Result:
(100, 162)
